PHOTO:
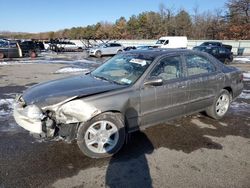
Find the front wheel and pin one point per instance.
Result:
(102, 136)
(220, 105)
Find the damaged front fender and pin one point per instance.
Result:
(76, 111)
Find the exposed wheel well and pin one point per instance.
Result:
(116, 112)
(229, 89)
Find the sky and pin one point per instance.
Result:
(52, 15)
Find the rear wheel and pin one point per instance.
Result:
(98, 54)
(119, 51)
(102, 136)
(1, 55)
(227, 61)
(220, 105)
(32, 54)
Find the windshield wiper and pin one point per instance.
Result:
(106, 79)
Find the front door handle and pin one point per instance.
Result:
(182, 86)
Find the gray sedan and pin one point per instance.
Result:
(131, 91)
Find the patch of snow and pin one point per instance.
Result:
(246, 76)
(201, 124)
(6, 107)
(47, 61)
(72, 69)
(6, 101)
(245, 94)
(242, 59)
(240, 107)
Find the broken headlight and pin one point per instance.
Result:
(33, 112)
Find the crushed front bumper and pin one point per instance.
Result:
(32, 125)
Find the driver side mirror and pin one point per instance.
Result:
(154, 82)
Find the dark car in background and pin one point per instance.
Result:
(216, 43)
(131, 91)
(15, 48)
(143, 47)
(9, 49)
(30, 48)
(221, 53)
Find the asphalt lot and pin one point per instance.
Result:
(193, 151)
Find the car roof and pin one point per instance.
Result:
(155, 52)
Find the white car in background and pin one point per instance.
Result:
(106, 49)
(46, 45)
(67, 46)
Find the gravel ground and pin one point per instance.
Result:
(193, 151)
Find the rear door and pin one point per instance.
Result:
(204, 81)
(160, 103)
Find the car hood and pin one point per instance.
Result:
(53, 92)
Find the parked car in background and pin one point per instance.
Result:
(172, 42)
(221, 53)
(46, 45)
(129, 48)
(146, 47)
(143, 47)
(40, 45)
(9, 49)
(29, 48)
(14, 49)
(63, 45)
(131, 91)
(106, 49)
(67, 46)
(215, 43)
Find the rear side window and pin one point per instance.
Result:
(114, 45)
(198, 65)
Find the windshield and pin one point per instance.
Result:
(102, 45)
(123, 69)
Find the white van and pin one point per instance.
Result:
(172, 42)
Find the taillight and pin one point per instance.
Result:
(241, 77)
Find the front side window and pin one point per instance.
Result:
(168, 68)
(3, 43)
(222, 51)
(198, 65)
(160, 42)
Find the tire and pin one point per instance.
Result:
(102, 136)
(227, 61)
(98, 54)
(119, 51)
(32, 54)
(220, 105)
(1, 55)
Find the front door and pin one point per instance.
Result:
(160, 103)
